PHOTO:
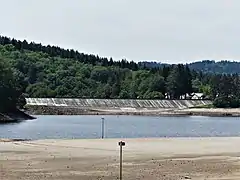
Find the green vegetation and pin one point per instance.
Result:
(49, 71)
(11, 88)
(48, 76)
(206, 66)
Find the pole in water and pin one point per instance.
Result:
(121, 144)
(103, 128)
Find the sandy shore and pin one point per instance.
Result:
(48, 110)
(144, 159)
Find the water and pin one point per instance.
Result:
(68, 127)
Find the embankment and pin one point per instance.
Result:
(14, 116)
(51, 110)
(55, 106)
(116, 103)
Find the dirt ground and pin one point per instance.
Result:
(144, 159)
(53, 110)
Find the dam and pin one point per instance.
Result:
(116, 103)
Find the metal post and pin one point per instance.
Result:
(121, 144)
(120, 162)
(102, 128)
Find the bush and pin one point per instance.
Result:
(153, 95)
(226, 102)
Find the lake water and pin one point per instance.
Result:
(68, 127)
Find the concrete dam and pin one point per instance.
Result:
(116, 103)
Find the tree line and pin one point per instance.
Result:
(206, 66)
(55, 51)
(40, 74)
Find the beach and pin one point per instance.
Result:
(53, 110)
(143, 159)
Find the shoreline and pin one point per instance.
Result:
(142, 139)
(14, 116)
(60, 110)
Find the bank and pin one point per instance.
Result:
(53, 110)
(61, 106)
(14, 116)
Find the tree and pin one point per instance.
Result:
(153, 95)
(173, 84)
(157, 84)
(196, 85)
(124, 94)
(11, 89)
(187, 77)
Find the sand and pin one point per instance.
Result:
(48, 110)
(144, 159)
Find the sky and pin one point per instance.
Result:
(169, 31)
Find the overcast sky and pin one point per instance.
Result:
(170, 31)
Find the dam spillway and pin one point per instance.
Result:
(116, 103)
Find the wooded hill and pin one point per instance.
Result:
(50, 71)
(205, 66)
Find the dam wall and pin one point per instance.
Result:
(116, 103)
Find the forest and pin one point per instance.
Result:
(34, 70)
(205, 66)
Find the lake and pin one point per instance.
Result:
(73, 127)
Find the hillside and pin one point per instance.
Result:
(221, 67)
(50, 71)
(205, 66)
(46, 76)
(55, 51)
(53, 72)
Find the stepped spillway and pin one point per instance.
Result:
(116, 103)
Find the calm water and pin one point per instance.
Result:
(48, 127)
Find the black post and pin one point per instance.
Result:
(102, 128)
(121, 144)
